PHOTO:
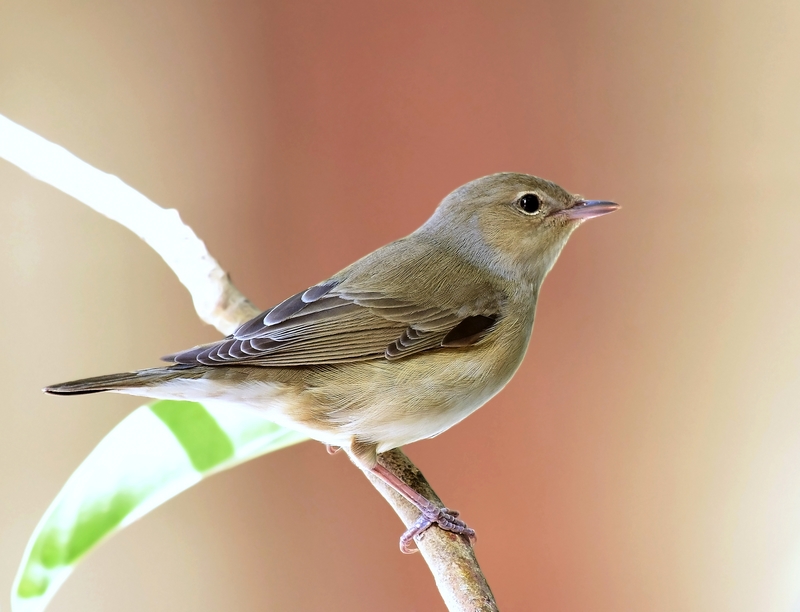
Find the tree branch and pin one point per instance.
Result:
(450, 557)
(219, 303)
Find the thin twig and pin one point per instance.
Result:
(450, 557)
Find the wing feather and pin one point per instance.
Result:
(337, 322)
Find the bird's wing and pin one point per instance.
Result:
(340, 321)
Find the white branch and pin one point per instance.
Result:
(216, 300)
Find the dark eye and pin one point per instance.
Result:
(529, 203)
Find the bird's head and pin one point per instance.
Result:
(514, 224)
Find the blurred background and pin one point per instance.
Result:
(647, 454)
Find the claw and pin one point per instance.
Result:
(430, 513)
(444, 518)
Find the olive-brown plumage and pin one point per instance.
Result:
(400, 345)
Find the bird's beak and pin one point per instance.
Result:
(589, 209)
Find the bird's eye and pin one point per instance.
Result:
(529, 203)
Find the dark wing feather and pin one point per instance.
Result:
(469, 331)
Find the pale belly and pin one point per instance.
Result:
(397, 403)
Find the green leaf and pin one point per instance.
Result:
(154, 454)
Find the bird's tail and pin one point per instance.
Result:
(124, 381)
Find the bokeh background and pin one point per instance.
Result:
(647, 454)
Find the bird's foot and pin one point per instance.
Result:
(332, 450)
(430, 515)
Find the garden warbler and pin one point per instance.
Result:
(399, 346)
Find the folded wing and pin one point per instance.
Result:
(333, 323)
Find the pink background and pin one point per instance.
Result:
(646, 455)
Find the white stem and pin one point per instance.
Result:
(216, 300)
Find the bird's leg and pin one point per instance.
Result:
(364, 453)
(332, 450)
(430, 513)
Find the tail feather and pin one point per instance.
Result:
(119, 382)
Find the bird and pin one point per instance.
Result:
(400, 345)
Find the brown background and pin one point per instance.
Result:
(646, 455)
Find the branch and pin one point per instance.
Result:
(219, 303)
(450, 557)
(216, 300)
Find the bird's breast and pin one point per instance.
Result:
(393, 403)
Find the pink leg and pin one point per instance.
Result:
(332, 450)
(430, 513)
